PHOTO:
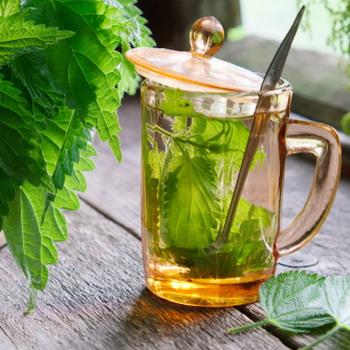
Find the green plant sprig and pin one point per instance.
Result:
(63, 74)
(300, 302)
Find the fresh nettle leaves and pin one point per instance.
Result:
(189, 185)
(62, 74)
(300, 302)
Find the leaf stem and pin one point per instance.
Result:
(32, 301)
(322, 338)
(248, 326)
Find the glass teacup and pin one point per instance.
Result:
(192, 148)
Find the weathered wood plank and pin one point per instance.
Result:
(114, 188)
(96, 300)
(6, 342)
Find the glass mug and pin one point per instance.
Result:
(192, 147)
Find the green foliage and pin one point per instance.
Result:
(9, 7)
(336, 300)
(345, 123)
(191, 183)
(299, 302)
(339, 37)
(62, 74)
(295, 307)
(19, 34)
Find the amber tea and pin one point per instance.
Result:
(190, 163)
(197, 116)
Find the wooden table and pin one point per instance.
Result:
(96, 298)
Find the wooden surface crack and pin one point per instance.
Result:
(111, 218)
(8, 337)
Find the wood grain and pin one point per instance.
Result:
(96, 300)
(330, 246)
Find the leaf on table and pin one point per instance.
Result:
(188, 203)
(292, 302)
(336, 299)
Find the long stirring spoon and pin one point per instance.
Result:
(260, 122)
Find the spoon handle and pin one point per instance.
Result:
(260, 122)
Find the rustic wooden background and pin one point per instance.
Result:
(96, 298)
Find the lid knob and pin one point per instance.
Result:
(206, 37)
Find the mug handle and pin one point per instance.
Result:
(322, 141)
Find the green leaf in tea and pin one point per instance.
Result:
(62, 75)
(188, 203)
(291, 302)
(195, 182)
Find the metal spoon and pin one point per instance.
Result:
(260, 122)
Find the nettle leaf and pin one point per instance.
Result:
(300, 302)
(89, 60)
(31, 75)
(34, 224)
(21, 157)
(188, 203)
(24, 235)
(59, 88)
(131, 28)
(9, 7)
(63, 139)
(175, 103)
(63, 135)
(18, 34)
(336, 299)
(224, 141)
(291, 302)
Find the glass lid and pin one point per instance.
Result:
(196, 70)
